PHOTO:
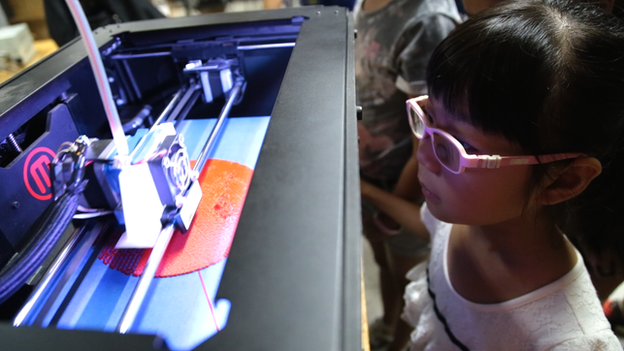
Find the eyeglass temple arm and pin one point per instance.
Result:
(496, 161)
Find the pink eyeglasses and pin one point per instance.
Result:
(452, 155)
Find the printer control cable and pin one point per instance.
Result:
(46, 235)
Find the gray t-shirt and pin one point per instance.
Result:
(392, 49)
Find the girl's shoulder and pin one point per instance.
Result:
(563, 315)
(571, 305)
(603, 340)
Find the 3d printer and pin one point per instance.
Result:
(278, 89)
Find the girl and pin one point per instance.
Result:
(524, 114)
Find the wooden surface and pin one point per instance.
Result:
(42, 49)
(31, 12)
(365, 343)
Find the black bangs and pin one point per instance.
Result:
(497, 71)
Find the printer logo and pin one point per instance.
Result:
(37, 173)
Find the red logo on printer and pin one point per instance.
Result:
(37, 173)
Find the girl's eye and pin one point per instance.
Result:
(428, 117)
(467, 147)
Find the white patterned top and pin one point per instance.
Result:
(563, 315)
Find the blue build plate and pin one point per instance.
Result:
(181, 309)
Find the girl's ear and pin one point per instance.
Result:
(571, 181)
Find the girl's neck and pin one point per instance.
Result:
(519, 237)
(496, 263)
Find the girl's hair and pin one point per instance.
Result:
(549, 76)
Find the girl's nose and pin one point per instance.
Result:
(425, 155)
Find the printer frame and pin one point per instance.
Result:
(294, 270)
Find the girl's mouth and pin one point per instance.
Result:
(429, 196)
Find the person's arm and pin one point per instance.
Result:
(407, 186)
(404, 212)
(398, 208)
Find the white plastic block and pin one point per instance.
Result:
(142, 208)
(17, 41)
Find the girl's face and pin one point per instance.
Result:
(476, 196)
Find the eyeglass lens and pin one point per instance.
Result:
(417, 122)
(445, 151)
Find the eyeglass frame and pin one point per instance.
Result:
(467, 160)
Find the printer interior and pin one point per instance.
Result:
(180, 76)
